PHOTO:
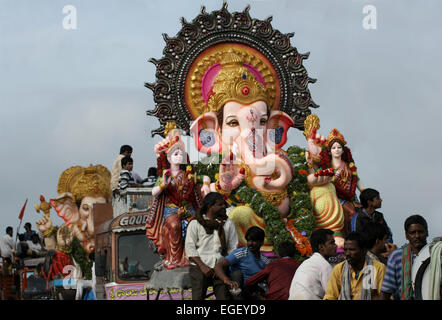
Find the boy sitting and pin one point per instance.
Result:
(126, 179)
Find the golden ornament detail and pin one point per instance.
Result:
(334, 135)
(44, 206)
(311, 122)
(93, 181)
(234, 82)
(274, 198)
(170, 125)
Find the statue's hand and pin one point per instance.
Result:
(44, 224)
(167, 177)
(205, 189)
(314, 144)
(320, 177)
(230, 175)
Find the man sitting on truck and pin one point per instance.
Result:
(210, 236)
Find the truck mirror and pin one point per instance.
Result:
(100, 265)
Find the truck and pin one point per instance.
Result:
(124, 257)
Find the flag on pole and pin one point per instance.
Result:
(22, 212)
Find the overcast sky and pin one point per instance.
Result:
(73, 97)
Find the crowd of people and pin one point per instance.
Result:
(29, 244)
(373, 268)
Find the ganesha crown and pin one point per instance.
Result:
(235, 82)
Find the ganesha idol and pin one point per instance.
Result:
(79, 189)
(239, 121)
(237, 86)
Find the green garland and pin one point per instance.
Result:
(80, 256)
(208, 166)
(298, 192)
(300, 204)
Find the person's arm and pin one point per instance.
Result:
(11, 245)
(389, 249)
(334, 285)
(324, 277)
(219, 271)
(115, 175)
(257, 278)
(389, 285)
(208, 271)
(191, 249)
(231, 237)
(380, 274)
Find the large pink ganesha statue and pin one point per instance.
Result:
(239, 121)
(241, 85)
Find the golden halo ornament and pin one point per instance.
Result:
(93, 181)
(259, 59)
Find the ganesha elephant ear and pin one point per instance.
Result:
(66, 208)
(205, 131)
(277, 127)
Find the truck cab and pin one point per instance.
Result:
(124, 257)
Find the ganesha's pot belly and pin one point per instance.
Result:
(244, 218)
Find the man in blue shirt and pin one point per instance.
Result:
(29, 233)
(397, 280)
(243, 263)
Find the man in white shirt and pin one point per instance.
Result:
(35, 246)
(209, 237)
(125, 150)
(7, 248)
(311, 277)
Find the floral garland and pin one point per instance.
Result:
(302, 243)
(80, 256)
(277, 230)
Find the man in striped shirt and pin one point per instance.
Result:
(126, 179)
(397, 280)
(243, 262)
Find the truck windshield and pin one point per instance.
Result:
(135, 258)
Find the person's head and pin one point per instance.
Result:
(9, 230)
(21, 237)
(28, 226)
(322, 241)
(152, 172)
(286, 249)
(255, 238)
(35, 238)
(376, 236)
(416, 231)
(370, 198)
(126, 150)
(214, 205)
(127, 163)
(355, 248)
